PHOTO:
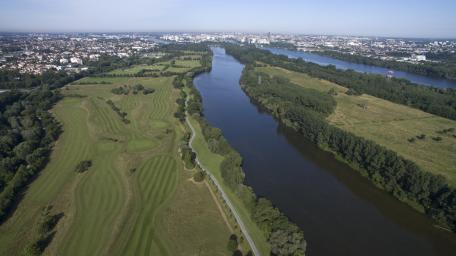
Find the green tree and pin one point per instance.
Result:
(199, 176)
(232, 243)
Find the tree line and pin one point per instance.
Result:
(385, 168)
(27, 133)
(119, 112)
(441, 102)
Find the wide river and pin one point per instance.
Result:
(340, 212)
(324, 60)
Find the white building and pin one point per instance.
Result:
(263, 41)
(94, 56)
(63, 61)
(76, 60)
(420, 57)
(122, 54)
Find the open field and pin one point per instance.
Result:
(135, 69)
(179, 66)
(120, 205)
(212, 162)
(192, 211)
(188, 63)
(389, 124)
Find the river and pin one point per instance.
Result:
(340, 212)
(325, 60)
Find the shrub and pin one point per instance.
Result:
(232, 243)
(148, 91)
(199, 176)
(438, 138)
(421, 136)
(83, 166)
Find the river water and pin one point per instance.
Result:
(324, 60)
(340, 212)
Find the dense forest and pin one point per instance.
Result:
(441, 102)
(178, 47)
(402, 178)
(27, 133)
(445, 70)
(285, 237)
(12, 79)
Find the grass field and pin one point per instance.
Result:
(191, 212)
(135, 69)
(389, 124)
(179, 66)
(118, 206)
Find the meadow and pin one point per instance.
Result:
(135, 69)
(392, 125)
(121, 204)
(177, 65)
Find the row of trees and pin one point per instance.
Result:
(120, 113)
(402, 178)
(441, 102)
(284, 236)
(135, 89)
(27, 133)
(43, 232)
(12, 79)
(443, 70)
(187, 154)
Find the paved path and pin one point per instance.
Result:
(225, 197)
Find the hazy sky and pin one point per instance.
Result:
(425, 18)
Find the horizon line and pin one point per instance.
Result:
(215, 31)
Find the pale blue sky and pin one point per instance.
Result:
(436, 18)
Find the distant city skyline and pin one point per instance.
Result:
(387, 18)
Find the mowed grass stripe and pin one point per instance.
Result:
(111, 120)
(157, 179)
(160, 106)
(101, 118)
(150, 172)
(99, 200)
(160, 196)
(72, 155)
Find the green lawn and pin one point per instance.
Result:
(193, 211)
(389, 124)
(180, 66)
(117, 206)
(135, 69)
(188, 63)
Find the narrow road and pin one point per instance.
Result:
(216, 183)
